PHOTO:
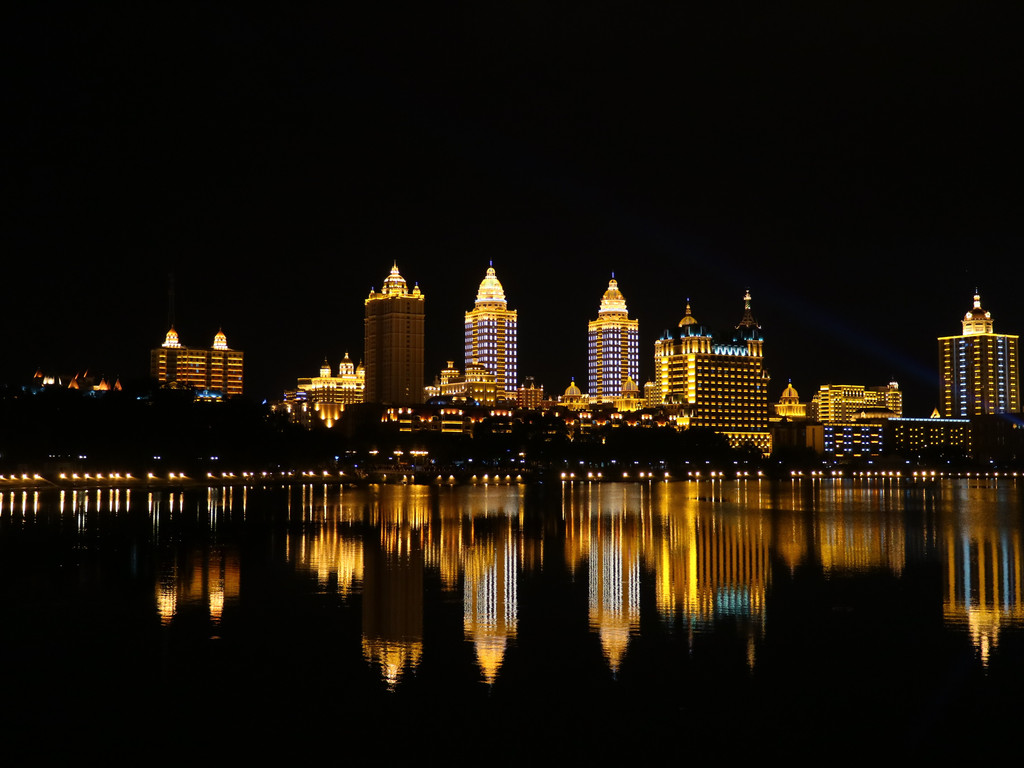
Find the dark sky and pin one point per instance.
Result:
(858, 169)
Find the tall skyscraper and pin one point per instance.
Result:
(722, 386)
(613, 347)
(491, 335)
(980, 369)
(218, 369)
(393, 336)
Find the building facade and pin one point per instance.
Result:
(613, 347)
(979, 369)
(720, 386)
(492, 335)
(218, 369)
(393, 342)
(841, 403)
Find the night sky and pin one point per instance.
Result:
(858, 169)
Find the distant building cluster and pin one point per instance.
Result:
(700, 379)
(215, 372)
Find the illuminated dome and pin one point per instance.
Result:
(688, 318)
(490, 291)
(613, 301)
(789, 394)
(977, 320)
(220, 341)
(572, 390)
(394, 284)
(172, 338)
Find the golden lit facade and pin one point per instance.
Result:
(477, 385)
(842, 403)
(393, 335)
(789, 405)
(218, 369)
(723, 387)
(327, 395)
(980, 369)
(613, 347)
(492, 335)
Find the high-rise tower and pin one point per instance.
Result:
(492, 336)
(980, 371)
(218, 369)
(613, 347)
(721, 386)
(393, 336)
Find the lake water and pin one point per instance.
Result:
(661, 621)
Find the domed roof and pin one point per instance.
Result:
(977, 320)
(688, 318)
(490, 291)
(220, 341)
(977, 313)
(394, 283)
(171, 340)
(613, 300)
(572, 390)
(789, 394)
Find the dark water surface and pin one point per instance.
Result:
(660, 622)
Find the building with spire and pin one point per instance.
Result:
(393, 336)
(721, 386)
(613, 347)
(217, 369)
(492, 335)
(979, 369)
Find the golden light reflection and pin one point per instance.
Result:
(711, 557)
(490, 592)
(982, 566)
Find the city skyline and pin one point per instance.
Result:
(855, 169)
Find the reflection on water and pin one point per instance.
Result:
(423, 573)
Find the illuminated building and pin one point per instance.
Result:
(629, 399)
(573, 399)
(218, 369)
(613, 347)
(853, 439)
(326, 395)
(530, 396)
(719, 386)
(477, 384)
(394, 342)
(979, 369)
(789, 405)
(491, 335)
(841, 403)
(934, 435)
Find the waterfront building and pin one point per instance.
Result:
(936, 436)
(327, 395)
(789, 406)
(476, 385)
(613, 347)
(720, 386)
(841, 403)
(218, 369)
(853, 440)
(979, 369)
(393, 335)
(492, 335)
